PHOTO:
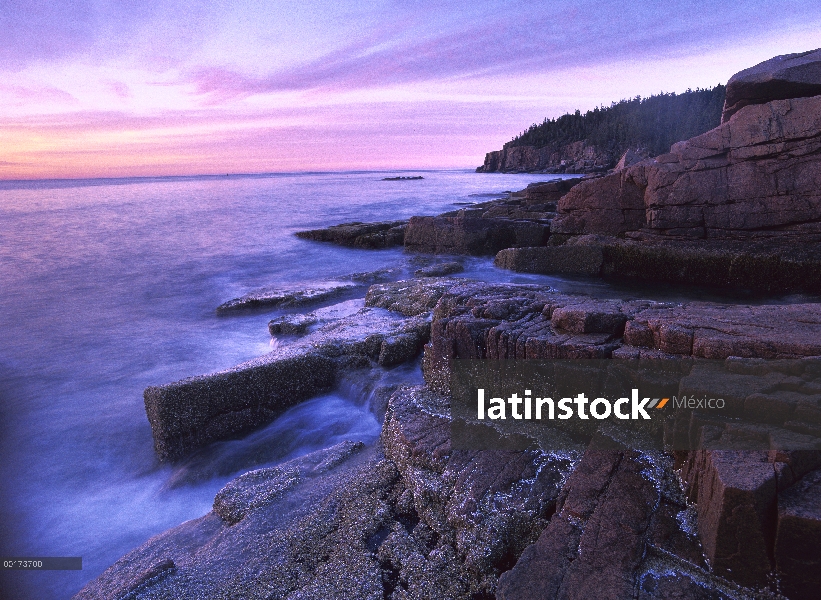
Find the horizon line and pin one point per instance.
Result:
(220, 176)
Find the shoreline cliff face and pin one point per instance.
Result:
(593, 141)
(725, 506)
(577, 157)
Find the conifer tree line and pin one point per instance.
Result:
(653, 123)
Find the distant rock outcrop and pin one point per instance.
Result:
(576, 157)
(780, 78)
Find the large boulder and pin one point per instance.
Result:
(782, 77)
(757, 175)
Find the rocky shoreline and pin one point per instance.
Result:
(415, 517)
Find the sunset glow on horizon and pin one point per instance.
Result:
(111, 89)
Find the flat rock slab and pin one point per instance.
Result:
(191, 413)
(382, 234)
(709, 330)
(764, 265)
(287, 297)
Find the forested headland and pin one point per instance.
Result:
(590, 141)
(654, 123)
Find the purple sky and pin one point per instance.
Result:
(142, 87)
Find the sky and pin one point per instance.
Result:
(102, 88)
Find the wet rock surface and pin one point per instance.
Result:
(360, 235)
(476, 236)
(414, 518)
(191, 413)
(440, 269)
(286, 297)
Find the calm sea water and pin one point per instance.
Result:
(109, 286)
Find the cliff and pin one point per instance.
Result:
(575, 157)
(592, 142)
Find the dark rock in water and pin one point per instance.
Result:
(440, 269)
(798, 538)
(360, 235)
(291, 324)
(402, 178)
(473, 236)
(191, 413)
(780, 78)
(522, 219)
(286, 297)
(194, 412)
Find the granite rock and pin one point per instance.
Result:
(191, 413)
(779, 78)
(359, 235)
(757, 175)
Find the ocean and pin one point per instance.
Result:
(110, 285)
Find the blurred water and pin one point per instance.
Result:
(109, 286)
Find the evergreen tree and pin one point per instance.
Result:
(653, 123)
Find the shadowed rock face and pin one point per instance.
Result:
(769, 265)
(782, 77)
(472, 236)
